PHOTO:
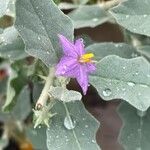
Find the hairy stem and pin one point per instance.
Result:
(44, 94)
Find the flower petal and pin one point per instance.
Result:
(79, 47)
(67, 67)
(82, 79)
(68, 47)
(90, 67)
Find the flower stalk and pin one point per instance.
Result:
(44, 94)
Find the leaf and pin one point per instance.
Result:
(3, 7)
(10, 90)
(8, 35)
(18, 77)
(127, 79)
(37, 137)
(23, 106)
(11, 8)
(83, 2)
(12, 46)
(64, 94)
(135, 133)
(65, 5)
(39, 23)
(100, 50)
(76, 131)
(88, 16)
(145, 51)
(133, 15)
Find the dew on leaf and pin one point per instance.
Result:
(93, 141)
(95, 19)
(86, 126)
(39, 38)
(141, 113)
(83, 134)
(127, 16)
(107, 92)
(138, 148)
(131, 83)
(144, 15)
(48, 52)
(133, 55)
(69, 123)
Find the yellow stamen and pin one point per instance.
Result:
(86, 58)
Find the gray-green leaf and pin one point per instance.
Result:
(135, 133)
(3, 7)
(65, 5)
(100, 50)
(127, 79)
(10, 89)
(88, 16)
(23, 106)
(11, 45)
(64, 94)
(37, 137)
(75, 133)
(39, 23)
(133, 15)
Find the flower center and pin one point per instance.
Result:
(86, 58)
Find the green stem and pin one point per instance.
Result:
(44, 94)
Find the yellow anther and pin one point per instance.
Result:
(86, 58)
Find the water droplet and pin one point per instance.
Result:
(107, 92)
(133, 55)
(69, 123)
(124, 67)
(148, 75)
(95, 19)
(131, 83)
(93, 141)
(134, 29)
(67, 140)
(86, 126)
(39, 38)
(141, 113)
(83, 119)
(123, 89)
(48, 52)
(116, 45)
(144, 15)
(136, 73)
(138, 148)
(83, 134)
(127, 16)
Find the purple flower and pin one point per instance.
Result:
(75, 63)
